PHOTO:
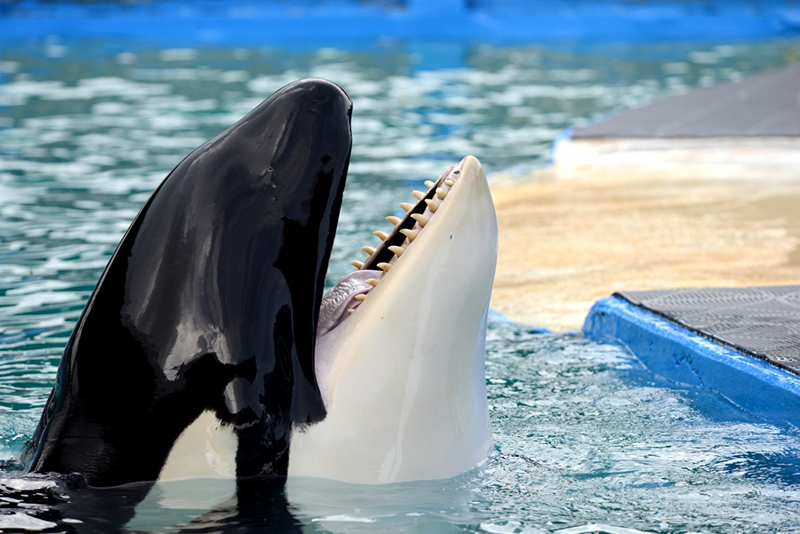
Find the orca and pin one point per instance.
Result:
(208, 308)
(208, 350)
(400, 352)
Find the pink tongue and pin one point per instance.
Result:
(342, 297)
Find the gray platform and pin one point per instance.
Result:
(762, 105)
(759, 321)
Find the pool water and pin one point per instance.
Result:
(586, 440)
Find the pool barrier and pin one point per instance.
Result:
(680, 355)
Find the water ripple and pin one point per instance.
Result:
(587, 440)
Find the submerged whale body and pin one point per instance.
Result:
(210, 302)
(207, 348)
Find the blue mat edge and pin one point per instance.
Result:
(677, 354)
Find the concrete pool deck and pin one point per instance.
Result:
(571, 236)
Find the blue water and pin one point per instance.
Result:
(586, 439)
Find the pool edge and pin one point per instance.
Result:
(677, 354)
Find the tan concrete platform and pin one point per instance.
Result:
(626, 215)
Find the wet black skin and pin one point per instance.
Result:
(210, 301)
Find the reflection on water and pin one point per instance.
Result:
(583, 434)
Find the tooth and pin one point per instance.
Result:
(418, 194)
(449, 182)
(394, 220)
(441, 193)
(351, 310)
(385, 266)
(372, 281)
(432, 205)
(421, 219)
(361, 297)
(397, 250)
(368, 250)
(382, 235)
(429, 184)
(410, 234)
(406, 206)
(357, 264)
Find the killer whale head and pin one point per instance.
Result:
(401, 345)
(198, 353)
(209, 304)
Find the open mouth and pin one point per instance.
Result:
(399, 355)
(354, 288)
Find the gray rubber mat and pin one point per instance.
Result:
(760, 321)
(763, 105)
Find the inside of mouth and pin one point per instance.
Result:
(383, 253)
(353, 288)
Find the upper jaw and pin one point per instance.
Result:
(352, 289)
(416, 217)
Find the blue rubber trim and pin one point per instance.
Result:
(677, 354)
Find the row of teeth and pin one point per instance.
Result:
(411, 234)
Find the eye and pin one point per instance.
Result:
(51, 408)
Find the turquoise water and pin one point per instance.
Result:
(586, 439)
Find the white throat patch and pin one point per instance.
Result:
(206, 448)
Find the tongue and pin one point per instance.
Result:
(342, 297)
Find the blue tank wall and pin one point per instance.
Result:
(314, 23)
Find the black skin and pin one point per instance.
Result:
(258, 506)
(210, 302)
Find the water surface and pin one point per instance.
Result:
(586, 439)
